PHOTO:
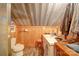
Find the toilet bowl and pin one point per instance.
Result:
(17, 49)
(20, 53)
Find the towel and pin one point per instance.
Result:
(75, 47)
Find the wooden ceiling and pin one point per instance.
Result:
(37, 14)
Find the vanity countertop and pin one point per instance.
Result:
(50, 38)
(65, 49)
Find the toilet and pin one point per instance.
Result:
(17, 49)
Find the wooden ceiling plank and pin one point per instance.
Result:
(21, 14)
(40, 9)
(27, 19)
(60, 15)
(21, 18)
(31, 12)
(15, 9)
(50, 14)
(28, 10)
(43, 13)
(14, 16)
(37, 13)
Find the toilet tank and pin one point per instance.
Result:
(13, 42)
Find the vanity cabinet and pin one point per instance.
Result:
(48, 45)
(58, 51)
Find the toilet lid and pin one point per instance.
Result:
(18, 47)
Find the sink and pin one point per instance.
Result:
(50, 38)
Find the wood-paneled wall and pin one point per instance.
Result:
(32, 33)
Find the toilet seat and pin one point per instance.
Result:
(18, 47)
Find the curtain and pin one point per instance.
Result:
(75, 21)
(65, 26)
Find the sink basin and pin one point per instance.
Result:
(50, 39)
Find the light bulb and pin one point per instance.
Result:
(26, 30)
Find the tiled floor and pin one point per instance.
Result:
(30, 51)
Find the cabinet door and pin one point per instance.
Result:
(59, 51)
(45, 46)
(50, 50)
